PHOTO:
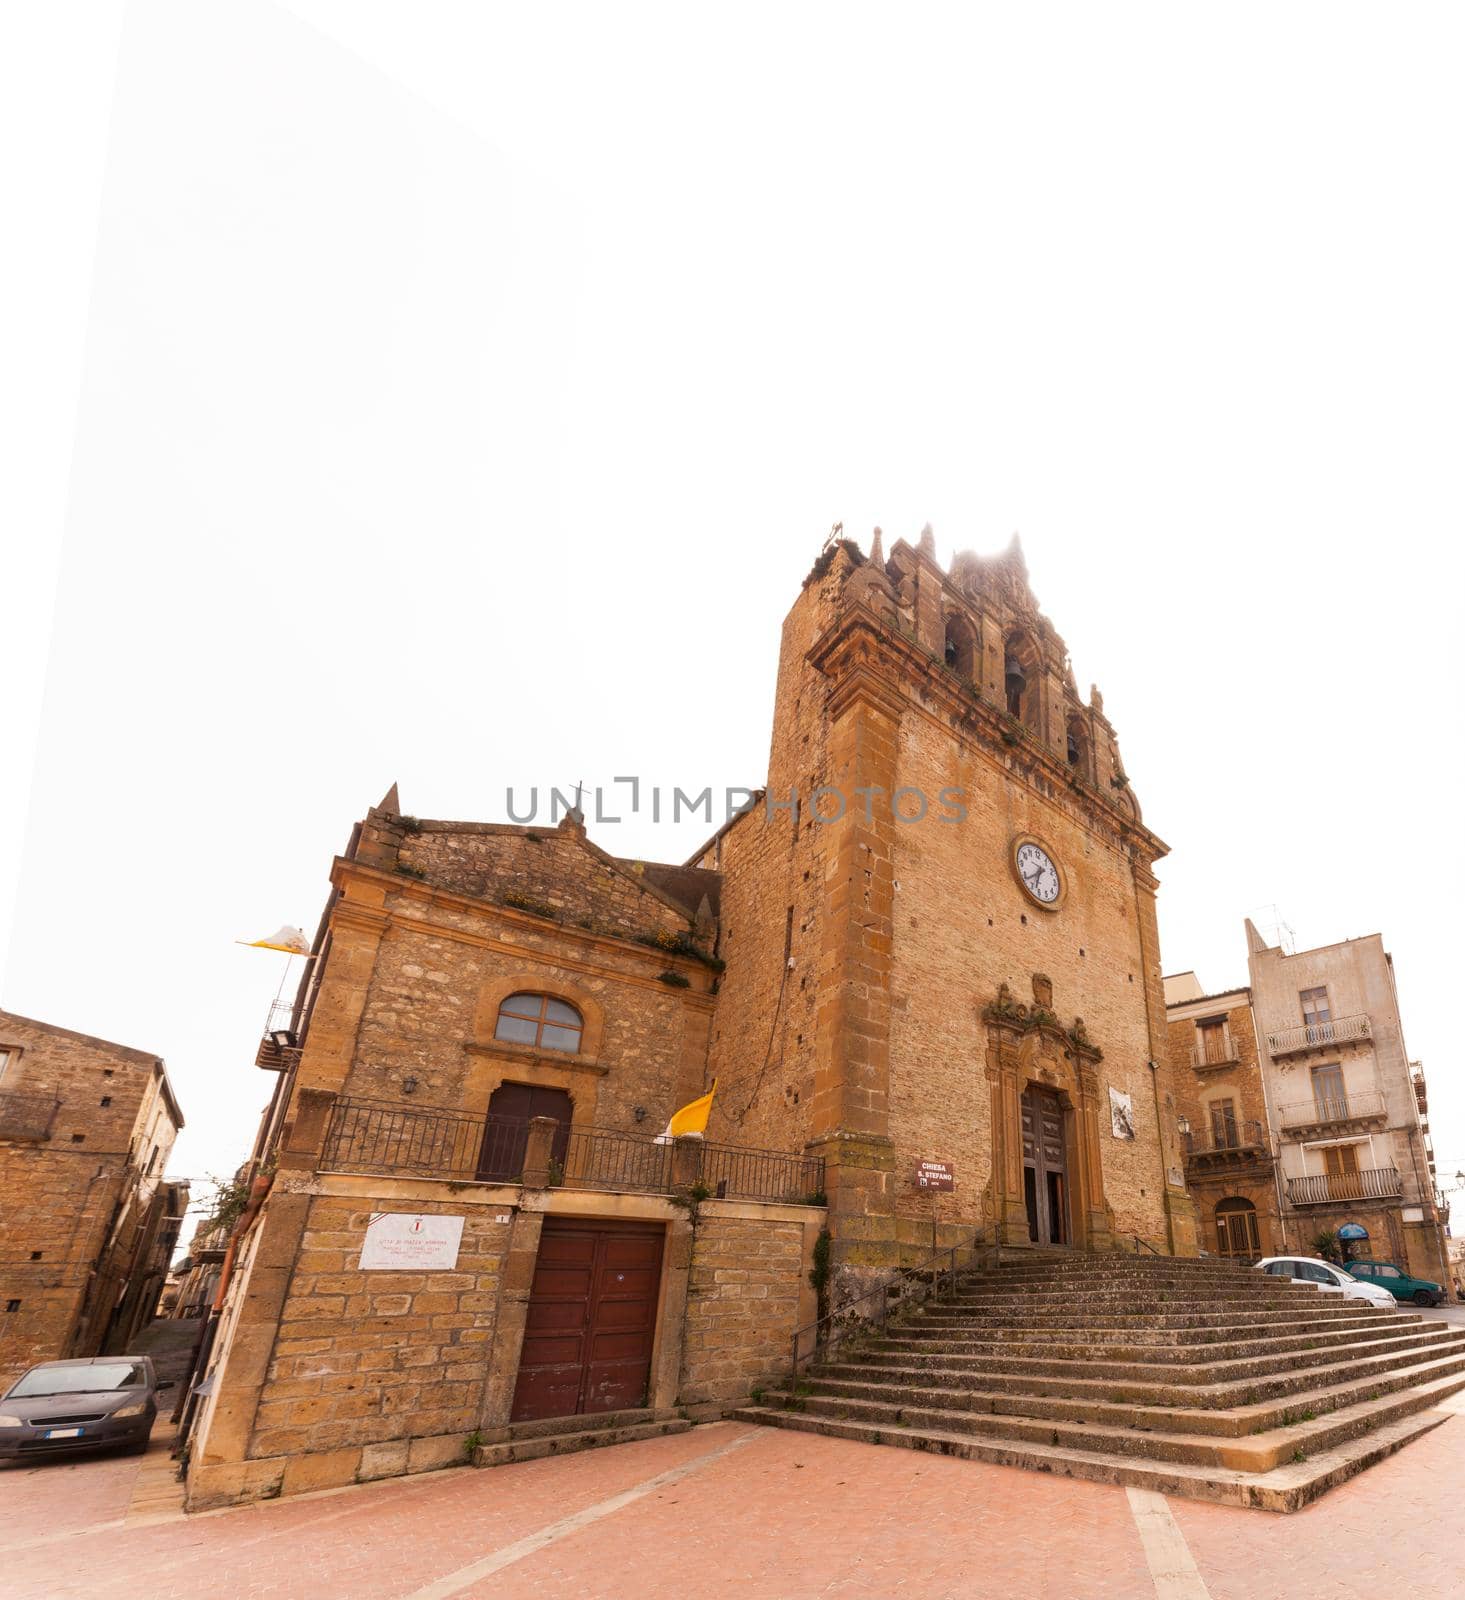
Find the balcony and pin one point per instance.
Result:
(1363, 1109)
(26, 1116)
(1331, 1188)
(1226, 1144)
(1207, 1058)
(377, 1137)
(1318, 1036)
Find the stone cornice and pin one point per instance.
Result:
(891, 668)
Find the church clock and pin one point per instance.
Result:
(1038, 873)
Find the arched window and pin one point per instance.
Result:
(1236, 1230)
(1078, 744)
(961, 647)
(539, 1019)
(1020, 678)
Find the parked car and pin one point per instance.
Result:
(97, 1403)
(1398, 1282)
(1329, 1279)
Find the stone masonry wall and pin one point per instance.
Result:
(745, 1299)
(963, 926)
(434, 989)
(551, 869)
(380, 1363)
(57, 1195)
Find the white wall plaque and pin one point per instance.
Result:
(407, 1242)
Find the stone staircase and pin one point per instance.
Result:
(562, 1436)
(1197, 1378)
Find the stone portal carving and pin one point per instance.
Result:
(1025, 1046)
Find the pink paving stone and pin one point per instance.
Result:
(781, 1517)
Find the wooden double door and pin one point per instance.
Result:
(1045, 1166)
(592, 1318)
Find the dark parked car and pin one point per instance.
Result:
(1422, 1291)
(101, 1402)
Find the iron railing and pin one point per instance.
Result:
(372, 1136)
(1226, 1134)
(1212, 1055)
(733, 1173)
(1317, 1035)
(936, 1277)
(26, 1116)
(601, 1158)
(1333, 1108)
(378, 1136)
(1321, 1188)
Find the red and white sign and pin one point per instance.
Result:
(935, 1175)
(408, 1242)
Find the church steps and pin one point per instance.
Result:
(1173, 1409)
(1286, 1488)
(1253, 1452)
(1218, 1356)
(935, 1334)
(1143, 1382)
(1073, 1317)
(1211, 1381)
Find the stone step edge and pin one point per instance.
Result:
(576, 1422)
(1178, 1420)
(563, 1444)
(1284, 1489)
(1152, 1351)
(1266, 1450)
(1428, 1353)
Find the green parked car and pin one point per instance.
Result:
(1398, 1282)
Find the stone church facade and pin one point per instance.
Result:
(897, 989)
(931, 938)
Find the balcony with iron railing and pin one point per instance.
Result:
(1318, 1035)
(27, 1116)
(1329, 1188)
(1356, 1109)
(1211, 1054)
(1226, 1142)
(365, 1136)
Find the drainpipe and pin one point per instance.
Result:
(1154, 1067)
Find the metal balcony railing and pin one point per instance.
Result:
(1227, 1137)
(427, 1142)
(1322, 1110)
(1318, 1035)
(1205, 1056)
(26, 1116)
(1319, 1189)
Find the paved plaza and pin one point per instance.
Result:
(728, 1509)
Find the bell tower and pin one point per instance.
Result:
(947, 817)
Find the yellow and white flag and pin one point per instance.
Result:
(291, 940)
(691, 1119)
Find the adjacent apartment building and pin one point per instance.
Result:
(88, 1222)
(1302, 1112)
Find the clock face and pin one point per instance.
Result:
(1039, 875)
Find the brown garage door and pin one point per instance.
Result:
(592, 1318)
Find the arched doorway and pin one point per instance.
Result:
(1045, 1166)
(1237, 1234)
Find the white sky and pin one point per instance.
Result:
(457, 394)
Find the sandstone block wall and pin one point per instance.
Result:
(60, 1195)
(361, 1358)
(747, 1294)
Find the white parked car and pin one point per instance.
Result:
(1329, 1279)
